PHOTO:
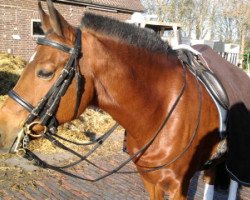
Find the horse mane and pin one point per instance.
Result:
(140, 37)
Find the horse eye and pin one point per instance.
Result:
(45, 74)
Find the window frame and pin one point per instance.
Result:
(32, 28)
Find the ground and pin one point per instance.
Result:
(20, 180)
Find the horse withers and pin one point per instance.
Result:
(131, 74)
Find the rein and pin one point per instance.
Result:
(47, 107)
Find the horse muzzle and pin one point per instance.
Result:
(22, 140)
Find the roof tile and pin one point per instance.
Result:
(134, 5)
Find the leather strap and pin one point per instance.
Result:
(62, 47)
(12, 94)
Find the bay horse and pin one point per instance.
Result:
(135, 77)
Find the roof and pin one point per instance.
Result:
(122, 5)
(161, 25)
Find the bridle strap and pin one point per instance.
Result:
(62, 47)
(13, 95)
(79, 90)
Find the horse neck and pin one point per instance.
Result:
(130, 85)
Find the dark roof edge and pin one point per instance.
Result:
(81, 3)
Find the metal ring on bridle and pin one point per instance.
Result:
(28, 129)
(21, 152)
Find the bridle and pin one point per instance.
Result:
(46, 109)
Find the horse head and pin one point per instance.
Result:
(49, 67)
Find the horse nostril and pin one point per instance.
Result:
(1, 138)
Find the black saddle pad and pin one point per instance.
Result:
(237, 85)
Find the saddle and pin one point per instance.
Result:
(231, 94)
(198, 66)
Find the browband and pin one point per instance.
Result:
(62, 47)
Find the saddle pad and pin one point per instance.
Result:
(237, 85)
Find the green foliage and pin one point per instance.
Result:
(247, 44)
(246, 59)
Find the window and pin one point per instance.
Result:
(36, 29)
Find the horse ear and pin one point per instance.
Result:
(44, 18)
(54, 18)
(57, 21)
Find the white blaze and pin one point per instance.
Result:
(32, 57)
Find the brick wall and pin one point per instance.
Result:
(16, 16)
